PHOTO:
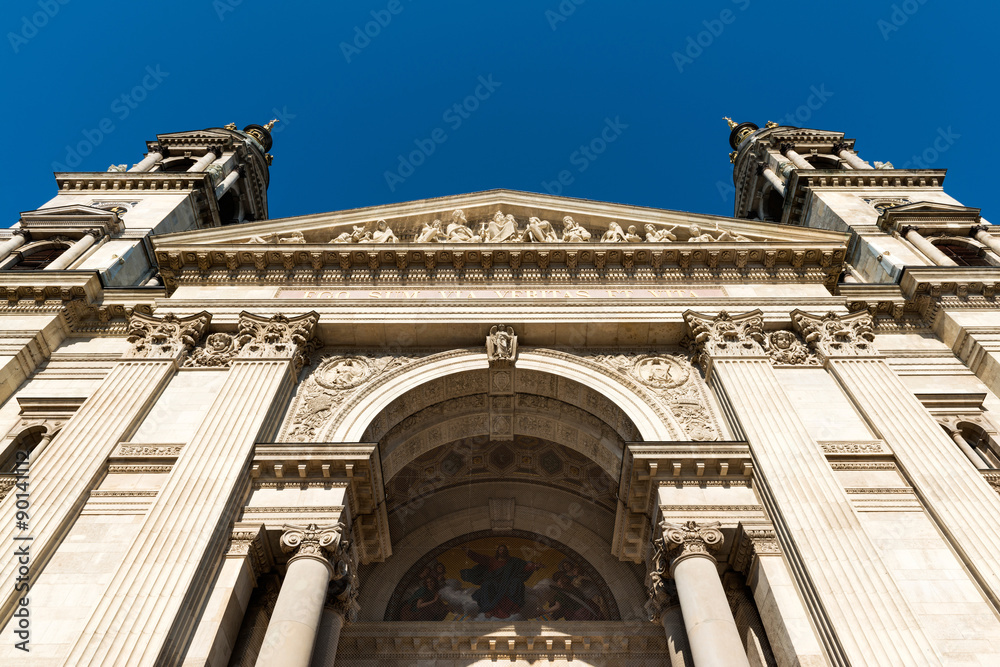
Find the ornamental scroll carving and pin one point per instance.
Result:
(312, 541)
(662, 591)
(833, 335)
(673, 380)
(690, 539)
(342, 594)
(335, 378)
(167, 337)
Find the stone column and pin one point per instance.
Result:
(711, 628)
(984, 237)
(65, 472)
(210, 156)
(964, 506)
(318, 557)
(911, 234)
(796, 159)
(19, 238)
(151, 604)
(223, 187)
(75, 251)
(147, 162)
(864, 619)
(341, 608)
(772, 178)
(969, 452)
(851, 157)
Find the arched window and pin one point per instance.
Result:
(26, 441)
(823, 161)
(976, 444)
(176, 165)
(39, 257)
(962, 253)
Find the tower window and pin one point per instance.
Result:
(963, 254)
(39, 259)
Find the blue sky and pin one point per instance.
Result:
(642, 84)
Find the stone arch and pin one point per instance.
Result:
(358, 412)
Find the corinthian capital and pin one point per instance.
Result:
(681, 541)
(726, 335)
(167, 337)
(277, 337)
(832, 335)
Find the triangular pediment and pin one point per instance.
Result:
(72, 217)
(409, 221)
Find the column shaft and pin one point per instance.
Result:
(68, 469)
(147, 162)
(678, 648)
(773, 179)
(870, 618)
(203, 162)
(711, 629)
(291, 632)
(798, 160)
(853, 159)
(151, 603)
(991, 242)
(73, 253)
(226, 183)
(965, 507)
(327, 639)
(972, 454)
(926, 247)
(12, 244)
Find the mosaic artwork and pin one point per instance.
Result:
(503, 578)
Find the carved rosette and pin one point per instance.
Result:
(833, 335)
(726, 335)
(277, 336)
(167, 337)
(689, 539)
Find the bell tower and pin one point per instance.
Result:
(101, 221)
(896, 217)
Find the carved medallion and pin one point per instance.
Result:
(343, 372)
(660, 372)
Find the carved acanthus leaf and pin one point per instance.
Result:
(690, 539)
(833, 335)
(662, 591)
(726, 335)
(277, 336)
(167, 337)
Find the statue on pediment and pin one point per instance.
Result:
(458, 229)
(501, 228)
(359, 235)
(573, 232)
(383, 234)
(294, 237)
(431, 233)
(654, 235)
(615, 234)
(632, 235)
(540, 231)
(724, 236)
(260, 239)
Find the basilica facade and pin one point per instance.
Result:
(500, 427)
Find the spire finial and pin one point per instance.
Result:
(731, 122)
(270, 125)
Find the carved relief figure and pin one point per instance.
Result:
(259, 239)
(540, 231)
(632, 235)
(573, 232)
(501, 345)
(501, 228)
(293, 237)
(458, 230)
(431, 233)
(383, 234)
(654, 235)
(615, 234)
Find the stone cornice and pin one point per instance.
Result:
(474, 262)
